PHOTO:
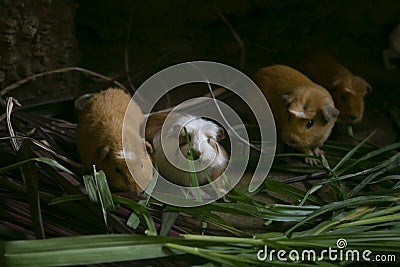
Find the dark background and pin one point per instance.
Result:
(43, 35)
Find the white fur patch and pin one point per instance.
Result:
(350, 91)
(123, 154)
(297, 113)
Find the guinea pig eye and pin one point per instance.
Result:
(343, 98)
(118, 170)
(310, 124)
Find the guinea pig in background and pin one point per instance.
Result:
(393, 51)
(203, 135)
(347, 90)
(99, 140)
(304, 111)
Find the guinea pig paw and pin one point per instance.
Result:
(319, 152)
(312, 161)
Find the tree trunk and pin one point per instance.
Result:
(38, 36)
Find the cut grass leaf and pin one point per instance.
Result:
(67, 199)
(91, 188)
(291, 191)
(387, 166)
(99, 192)
(369, 155)
(104, 191)
(168, 219)
(191, 156)
(84, 250)
(29, 173)
(351, 153)
(358, 201)
(140, 210)
(374, 220)
(133, 221)
(220, 257)
(48, 161)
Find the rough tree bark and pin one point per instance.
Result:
(38, 36)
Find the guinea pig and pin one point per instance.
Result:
(99, 140)
(393, 51)
(304, 111)
(347, 90)
(203, 138)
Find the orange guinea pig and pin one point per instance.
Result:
(99, 140)
(347, 90)
(304, 111)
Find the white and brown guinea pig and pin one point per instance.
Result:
(99, 140)
(203, 135)
(347, 90)
(304, 111)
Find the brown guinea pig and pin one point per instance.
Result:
(99, 140)
(347, 90)
(203, 135)
(304, 111)
(393, 51)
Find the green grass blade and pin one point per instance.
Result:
(45, 160)
(67, 199)
(226, 260)
(369, 155)
(167, 221)
(385, 167)
(84, 250)
(139, 210)
(104, 191)
(29, 173)
(358, 201)
(133, 221)
(351, 153)
(91, 188)
(291, 191)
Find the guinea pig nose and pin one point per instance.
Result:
(291, 140)
(353, 117)
(196, 154)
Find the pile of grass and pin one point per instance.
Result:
(53, 215)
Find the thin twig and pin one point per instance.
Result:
(220, 91)
(10, 104)
(61, 70)
(235, 34)
(128, 34)
(44, 147)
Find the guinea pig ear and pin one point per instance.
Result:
(102, 152)
(149, 148)
(298, 113)
(368, 87)
(336, 85)
(220, 134)
(287, 99)
(330, 113)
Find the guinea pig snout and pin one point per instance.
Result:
(197, 154)
(291, 140)
(354, 117)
